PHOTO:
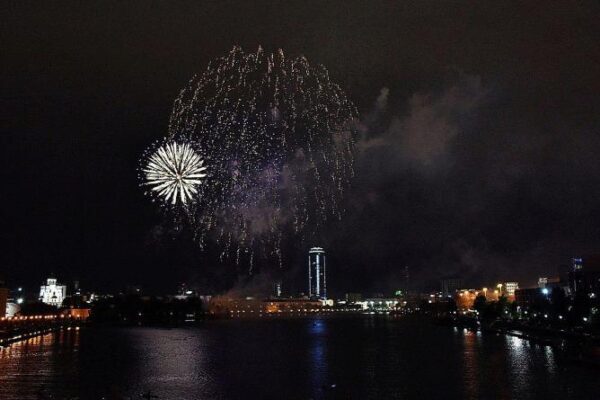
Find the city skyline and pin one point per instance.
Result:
(567, 277)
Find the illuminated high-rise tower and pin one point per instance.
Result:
(317, 278)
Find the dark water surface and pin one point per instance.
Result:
(365, 358)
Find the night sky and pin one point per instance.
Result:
(479, 150)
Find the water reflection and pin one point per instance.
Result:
(289, 359)
(550, 359)
(170, 364)
(518, 361)
(471, 366)
(39, 367)
(318, 369)
(171, 360)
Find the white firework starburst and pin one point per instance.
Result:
(174, 172)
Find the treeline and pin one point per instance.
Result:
(137, 310)
(554, 310)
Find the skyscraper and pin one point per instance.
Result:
(585, 275)
(317, 278)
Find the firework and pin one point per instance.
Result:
(278, 135)
(173, 172)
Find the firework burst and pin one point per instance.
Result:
(278, 135)
(174, 172)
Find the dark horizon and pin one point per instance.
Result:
(477, 156)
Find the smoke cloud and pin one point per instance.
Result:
(458, 182)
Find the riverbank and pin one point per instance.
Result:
(570, 345)
(26, 327)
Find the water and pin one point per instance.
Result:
(365, 358)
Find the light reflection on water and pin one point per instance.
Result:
(39, 366)
(471, 365)
(365, 358)
(318, 372)
(173, 364)
(519, 360)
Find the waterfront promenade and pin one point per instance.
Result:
(18, 328)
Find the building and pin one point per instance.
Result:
(379, 304)
(510, 288)
(253, 307)
(450, 286)
(584, 276)
(12, 309)
(53, 293)
(405, 281)
(317, 273)
(550, 283)
(353, 297)
(293, 305)
(277, 288)
(78, 313)
(576, 275)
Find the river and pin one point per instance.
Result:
(366, 357)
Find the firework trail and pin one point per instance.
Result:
(278, 138)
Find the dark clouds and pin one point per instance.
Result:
(479, 157)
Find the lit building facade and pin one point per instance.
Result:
(317, 273)
(12, 309)
(252, 307)
(551, 283)
(379, 304)
(510, 288)
(53, 293)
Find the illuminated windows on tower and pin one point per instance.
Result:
(317, 274)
